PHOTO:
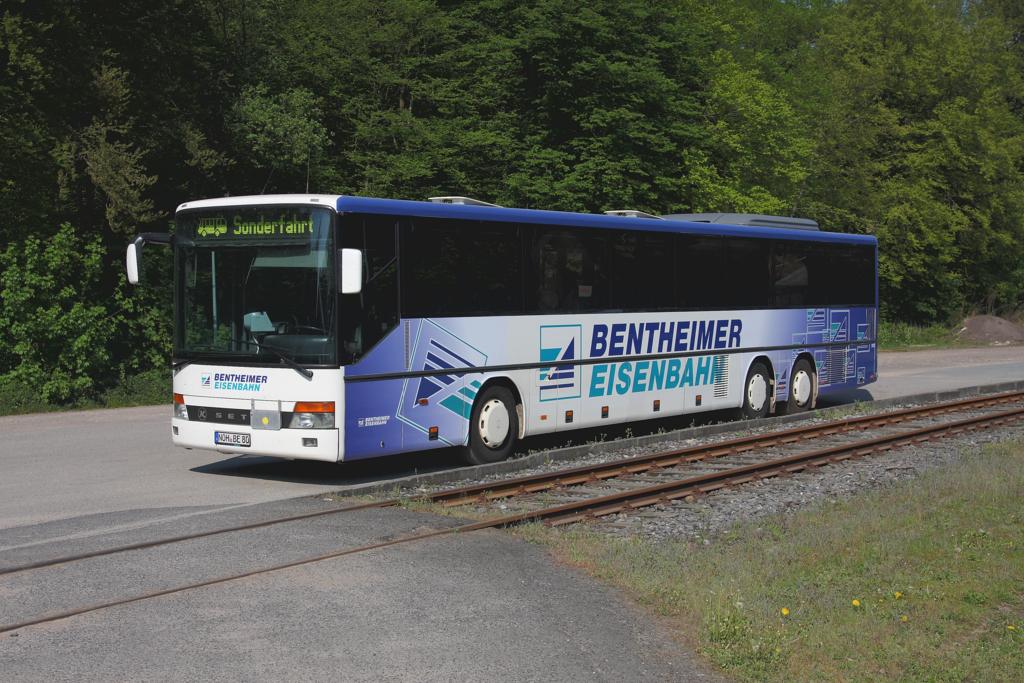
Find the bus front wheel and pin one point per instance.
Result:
(757, 392)
(493, 427)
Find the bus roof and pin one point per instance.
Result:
(402, 207)
(328, 200)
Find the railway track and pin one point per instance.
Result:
(678, 475)
(731, 448)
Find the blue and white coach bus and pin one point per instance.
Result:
(342, 328)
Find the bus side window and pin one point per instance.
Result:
(460, 267)
(852, 271)
(643, 271)
(747, 273)
(570, 271)
(701, 272)
(369, 315)
(789, 274)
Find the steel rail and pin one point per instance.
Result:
(506, 488)
(706, 483)
(568, 477)
(142, 545)
(593, 507)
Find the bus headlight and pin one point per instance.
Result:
(313, 415)
(180, 411)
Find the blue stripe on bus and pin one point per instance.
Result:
(437, 361)
(447, 379)
(559, 386)
(454, 355)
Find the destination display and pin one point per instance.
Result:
(289, 224)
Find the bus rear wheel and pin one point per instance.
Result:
(757, 392)
(493, 427)
(801, 388)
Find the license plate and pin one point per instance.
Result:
(232, 439)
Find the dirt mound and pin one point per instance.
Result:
(990, 329)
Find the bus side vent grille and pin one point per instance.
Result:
(721, 369)
(836, 370)
(406, 330)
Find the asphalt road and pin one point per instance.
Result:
(467, 607)
(918, 372)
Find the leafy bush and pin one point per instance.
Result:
(56, 333)
(152, 387)
(18, 396)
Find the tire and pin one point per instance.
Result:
(757, 398)
(800, 397)
(493, 427)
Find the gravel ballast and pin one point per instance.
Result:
(706, 517)
(714, 514)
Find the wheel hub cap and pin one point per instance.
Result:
(757, 392)
(494, 423)
(802, 387)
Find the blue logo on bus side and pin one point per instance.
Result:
(559, 345)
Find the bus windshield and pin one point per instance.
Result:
(255, 284)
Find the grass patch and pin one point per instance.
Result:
(848, 410)
(897, 336)
(152, 387)
(936, 566)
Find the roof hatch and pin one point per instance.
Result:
(467, 201)
(746, 219)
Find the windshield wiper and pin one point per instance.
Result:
(188, 361)
(308, 374)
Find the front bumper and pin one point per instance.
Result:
(281, 443)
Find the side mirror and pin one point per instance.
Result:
(132, 263)
(133, 258)
(351, 271)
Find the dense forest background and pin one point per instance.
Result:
(900, 119)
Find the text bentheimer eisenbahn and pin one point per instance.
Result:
(677, 336)
(238, 382)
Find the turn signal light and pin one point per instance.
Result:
(314, 407)
(312, 415)
(180, 411)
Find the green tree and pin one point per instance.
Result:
(281, 132)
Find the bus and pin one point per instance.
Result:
(340, 328)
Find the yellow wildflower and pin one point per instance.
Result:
(904, 618)
(1011, 627)
(897, 595)
(785, 611)
(855, 602)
